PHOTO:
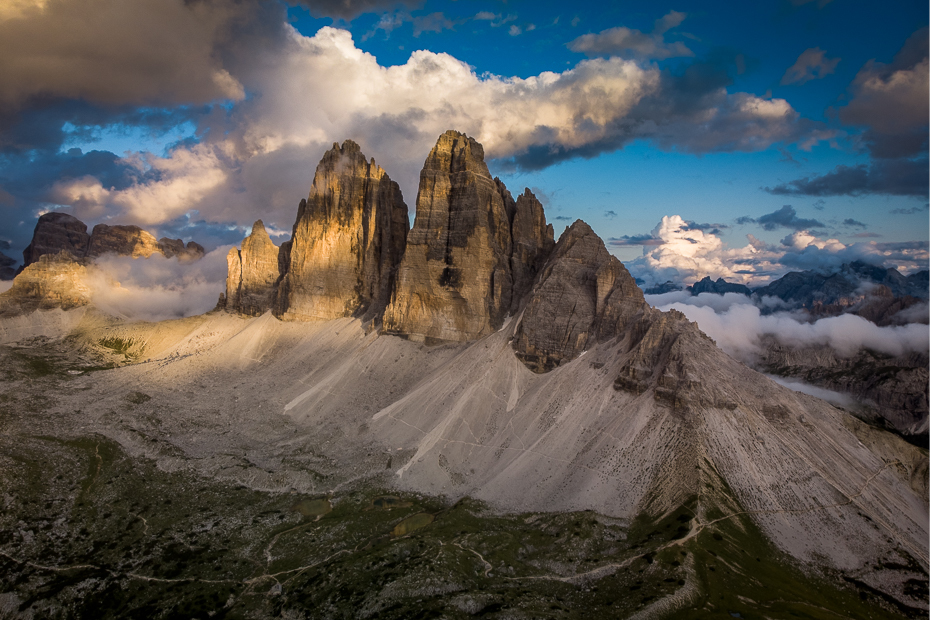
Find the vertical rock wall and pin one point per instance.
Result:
(455, 282)
(347, 241)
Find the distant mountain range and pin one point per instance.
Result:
(873, 292)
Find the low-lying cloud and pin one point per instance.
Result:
(157, 288)
(738, 326)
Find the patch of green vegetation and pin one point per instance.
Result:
(90, 532)
(412, 524)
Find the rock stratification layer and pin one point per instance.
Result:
(253, 273)
(347, 241)
(456, 281)
(584, 295)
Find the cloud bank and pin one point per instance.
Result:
(737, 325)
(157, 288)
(250, 86)
(682, 252)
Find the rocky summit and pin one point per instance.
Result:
(347, 241)
(584, 295)
(456, 281)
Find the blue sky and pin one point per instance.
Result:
(800, 123)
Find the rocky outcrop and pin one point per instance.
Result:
(456, 281)
(720, 287)
(53, 281)
(122, 241)
(893, 387)
(584, 295)
(175, 247)
(59, 232)
(252, 273)
(347, 241)
(56, 232)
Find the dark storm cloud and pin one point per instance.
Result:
(113, 52)
(891, 101)
(812, 64)
(714, 229)
(786, 217)
(894, 177)
(350, 9)
(634, 240)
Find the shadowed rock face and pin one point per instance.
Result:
(176, 247)
(456, 281)
(56, 232)
(584, 295)
(532, 244)
(347, 241)
(252, 273)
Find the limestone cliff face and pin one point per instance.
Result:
(347, 241)
(583, 295)
(59, 232)
(252, 273)
(53, 281)
(56, 232)
(455, 282)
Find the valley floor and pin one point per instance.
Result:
(149, 472)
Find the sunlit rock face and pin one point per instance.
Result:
(122, 241)
(584, 295)
(347, 241)
(53, 281)
(252, 273)
(456, 282)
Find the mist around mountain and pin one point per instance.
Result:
(857, 336)
(466, 416)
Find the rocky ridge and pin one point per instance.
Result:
(56, 232)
